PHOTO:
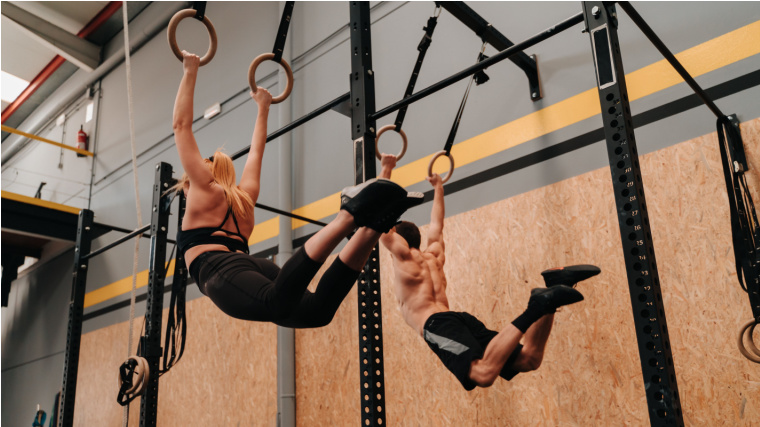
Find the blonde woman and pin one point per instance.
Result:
(219, 218)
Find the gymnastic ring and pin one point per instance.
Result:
(749, 329)
(171, 33)
(403, 138)
(451, 163)
(252, 76)
(145, 375)
(141, 379)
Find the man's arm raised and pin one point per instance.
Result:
(435, 233)
(395, 244)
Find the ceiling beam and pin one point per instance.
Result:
(80, 52)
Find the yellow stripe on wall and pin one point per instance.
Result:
(265, 231)
(39, 202)
(121, 287)
(698, 60)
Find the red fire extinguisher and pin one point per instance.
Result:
(82, 140)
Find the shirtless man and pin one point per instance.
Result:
(473, 353)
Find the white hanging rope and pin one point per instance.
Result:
(125, 417)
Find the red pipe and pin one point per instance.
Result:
(53, 65)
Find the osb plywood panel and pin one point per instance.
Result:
(227, 375)
(327, 367)
(591, 373)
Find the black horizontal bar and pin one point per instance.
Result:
(647, 30)
(292, 215)
(124, 230)
(117, 242)
(514, 50)
(287, 128)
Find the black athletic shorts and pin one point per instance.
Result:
(458, 338)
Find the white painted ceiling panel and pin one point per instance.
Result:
(22, 56)
(68, 15)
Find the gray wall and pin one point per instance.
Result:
(34, 323)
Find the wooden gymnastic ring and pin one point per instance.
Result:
(403, 138)
(144, 375)
(171, 34)
(141, 378)
(451, 163)
(252, 76)
(753, 353)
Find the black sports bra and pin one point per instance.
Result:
(186, 239)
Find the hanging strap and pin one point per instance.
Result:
(458, 118)
(282, 32)
(422, 48)
(176, 323)
(200, 10)
(744, 222)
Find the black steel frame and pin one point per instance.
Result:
(371, 370)
(151, 341)
(467, 72)
(638, 248)
(76, 310)
(495, 38)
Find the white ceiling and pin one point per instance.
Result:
(23, 56)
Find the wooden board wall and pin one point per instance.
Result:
(227, 376)
(591, 373)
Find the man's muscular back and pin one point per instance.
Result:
(419, 283)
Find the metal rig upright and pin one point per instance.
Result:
(151, 341)
(363, 135)
(76, 311)
(638, 249)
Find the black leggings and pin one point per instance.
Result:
(256, 289)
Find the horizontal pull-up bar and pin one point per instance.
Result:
(292, 215)
(47, 141)
(287, 128)
(506, 53)
(124, 230)
(117, 242)
(647, 30)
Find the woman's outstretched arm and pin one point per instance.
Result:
(250, 180)
(182, 124)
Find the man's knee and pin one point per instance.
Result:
(528, 361)
(482, 374)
